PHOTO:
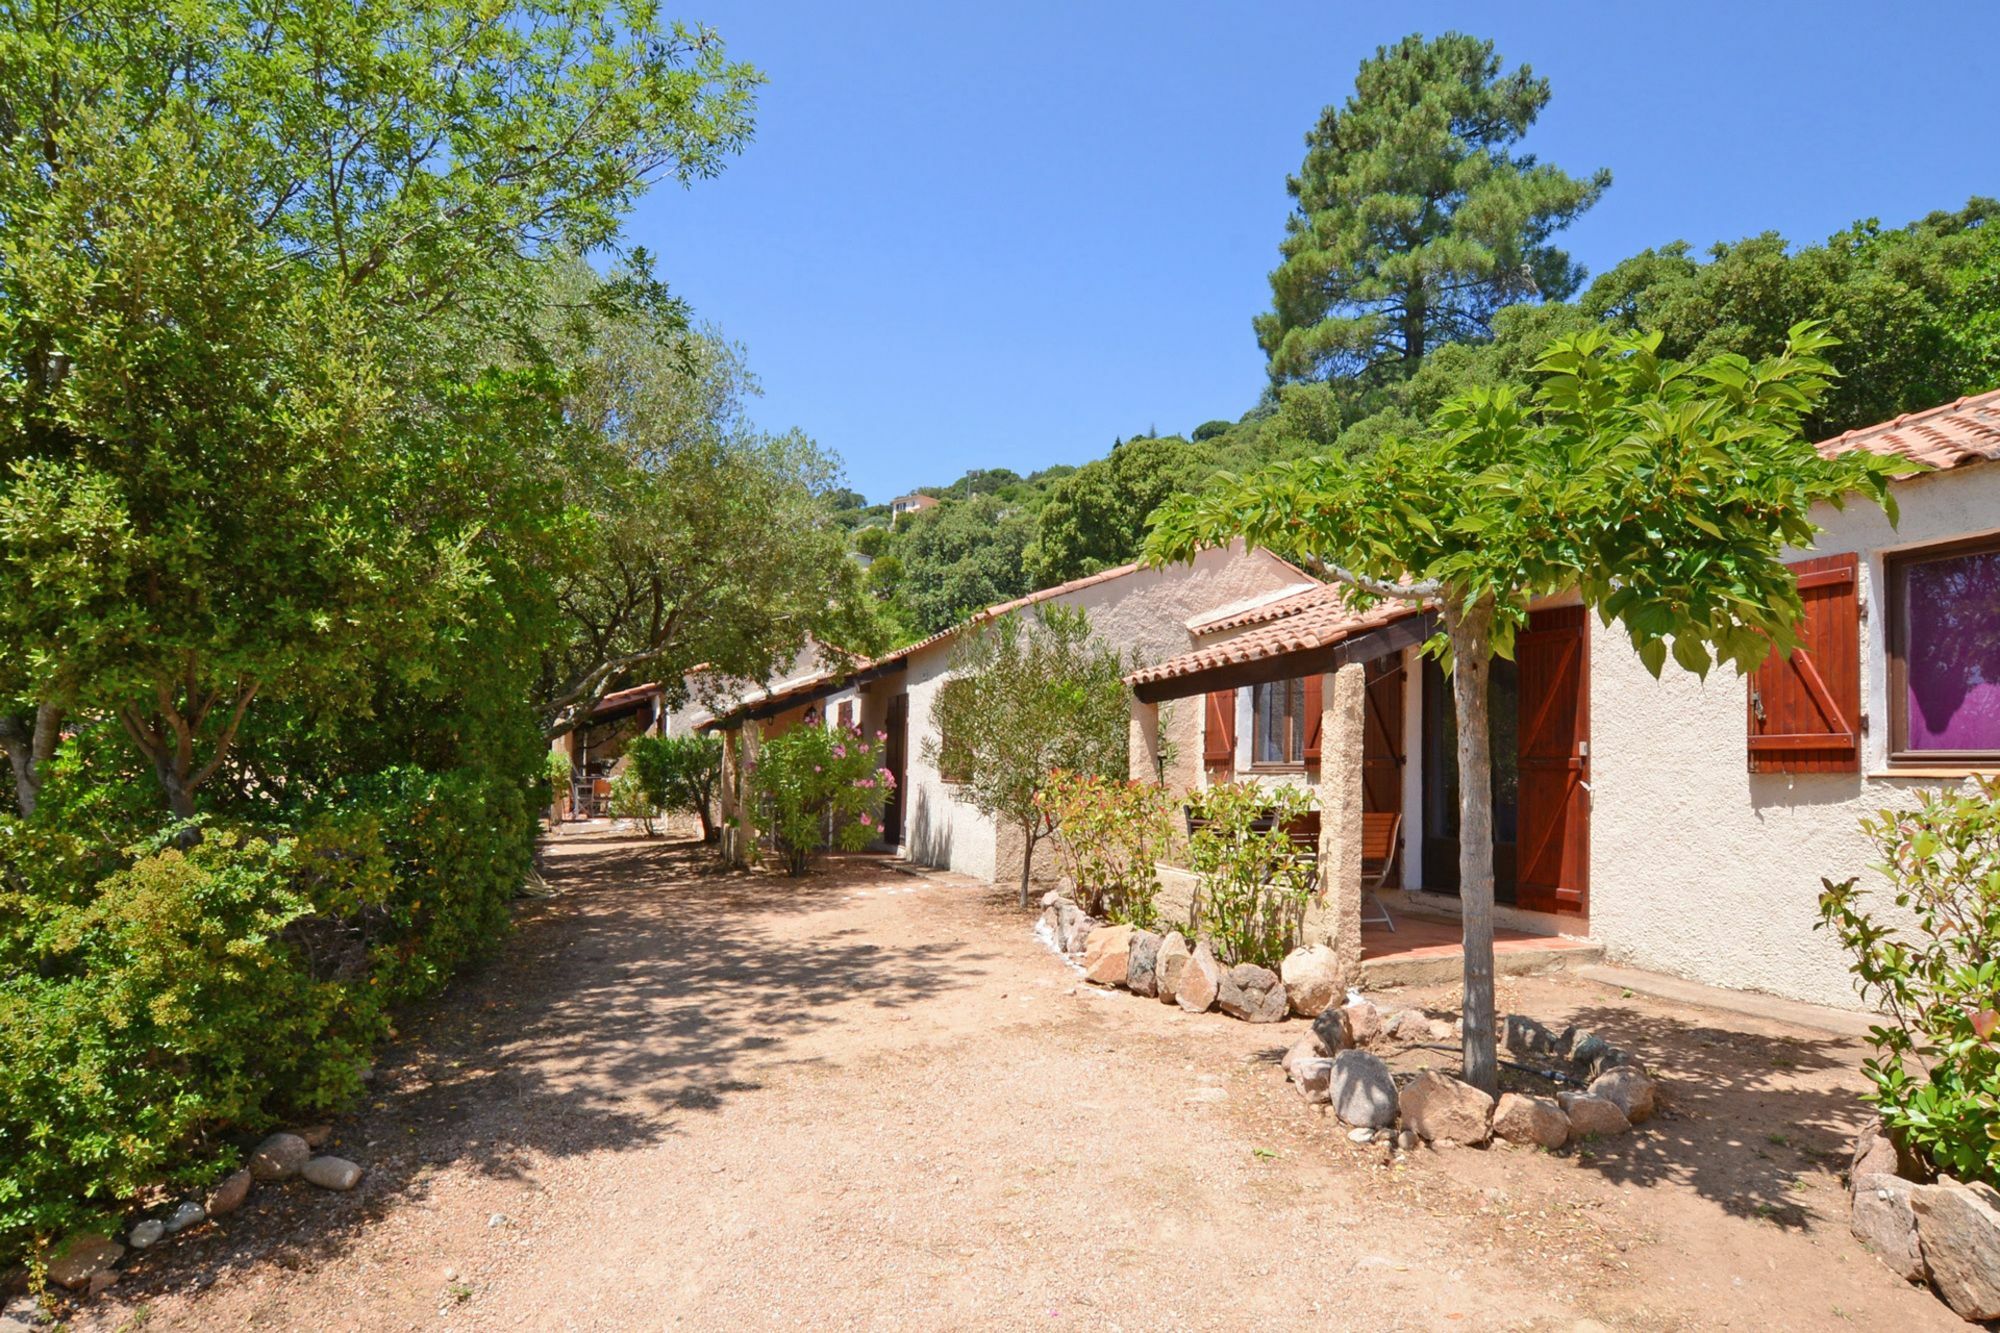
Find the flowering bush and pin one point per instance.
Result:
(1937, 1066)
(822, 787)
(1254, 876)
(1109, 835)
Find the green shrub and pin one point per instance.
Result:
(181, 998)
(1936, 1072)
(681, 773)
(630, 799)
(821, 786)
(1254, 880)
(1109, 835)
(158, 998)
(556, 771)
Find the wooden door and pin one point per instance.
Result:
(1552, 856)
(896, 758)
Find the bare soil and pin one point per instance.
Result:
(872, 1099)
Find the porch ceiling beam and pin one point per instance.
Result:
(1390, 638)
(765, 709)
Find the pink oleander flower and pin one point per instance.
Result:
(881, 735)
(840, 752)
(866, 822)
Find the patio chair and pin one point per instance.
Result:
(1381, 845)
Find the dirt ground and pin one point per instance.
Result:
(873, 1099)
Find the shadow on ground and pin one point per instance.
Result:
(635, 998)
(1745, 1115)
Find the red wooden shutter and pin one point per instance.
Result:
(1805, 711)
(1312, 707)
(1552, 846)
(1219, 736)
(1382, 738)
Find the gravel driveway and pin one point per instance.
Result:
(872, 1099)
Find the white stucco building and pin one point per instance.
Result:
(1145, 614)
(1681, 825)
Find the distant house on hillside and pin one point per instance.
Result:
(910, 504)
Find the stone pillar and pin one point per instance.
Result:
(732, 847)
(1142, 741)
(1343, 696)
(746, 797)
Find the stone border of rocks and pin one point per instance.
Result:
(88, 1263)
(1926, 1228)
(1330, 1065)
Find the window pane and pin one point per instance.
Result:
(1295, 697)
(1952, 609)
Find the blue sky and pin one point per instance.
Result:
(1002, 235)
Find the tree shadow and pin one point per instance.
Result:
(1742, 1114)
(649, 990)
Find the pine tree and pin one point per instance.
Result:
(1415, 220)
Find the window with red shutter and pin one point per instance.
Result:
(1805, 710)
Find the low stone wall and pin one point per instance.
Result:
(1601, 1090)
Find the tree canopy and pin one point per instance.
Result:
(1663, 494)
(1415, 219)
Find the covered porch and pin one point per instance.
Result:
(1359, 672)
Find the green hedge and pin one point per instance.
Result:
(196, 993)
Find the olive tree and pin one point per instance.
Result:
(1027, 699)
(1664, 494)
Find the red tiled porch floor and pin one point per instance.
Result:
(1426, 948)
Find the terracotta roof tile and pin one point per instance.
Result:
(1966, 431)
(1315, 619)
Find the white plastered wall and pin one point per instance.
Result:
(1143, 614)
(1705, 870)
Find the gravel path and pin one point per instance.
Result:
(872, 1099)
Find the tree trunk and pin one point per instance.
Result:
(30, 746)
(1471, 671)
(708, 829)
(1028, 841)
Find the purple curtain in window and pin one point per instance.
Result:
(1952, 608)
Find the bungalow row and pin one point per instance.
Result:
(1679, 825)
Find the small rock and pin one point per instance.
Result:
(81, 1259)
(1958, 1228)
(1331, 1029)
(1443, 1031)
(1406, 1139)
(1360, 1135)
(1406, 1025)
(1592, 1115)
(1873, 1155)
(1140, 960)
(1627, 1088)
(1077, 926)
(1884, 1219)
(1308, 1047)
(332, 1173)
(1168, 965)
(1531, 1121)
(1314, 1078)
(1253, 994)
(1312, 979)
(280, 1157)
(496, 1220)
(1586, 1047)
(1362, 1090)
(1051, 898)
(1363, 1022)
(188, 1214)
(316, 1136)
(145, 1234)
(103, 1280)
(1201, 981)
(1443, 1110)
(1105, 954)
(229, 1193)
(1525, 1036)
